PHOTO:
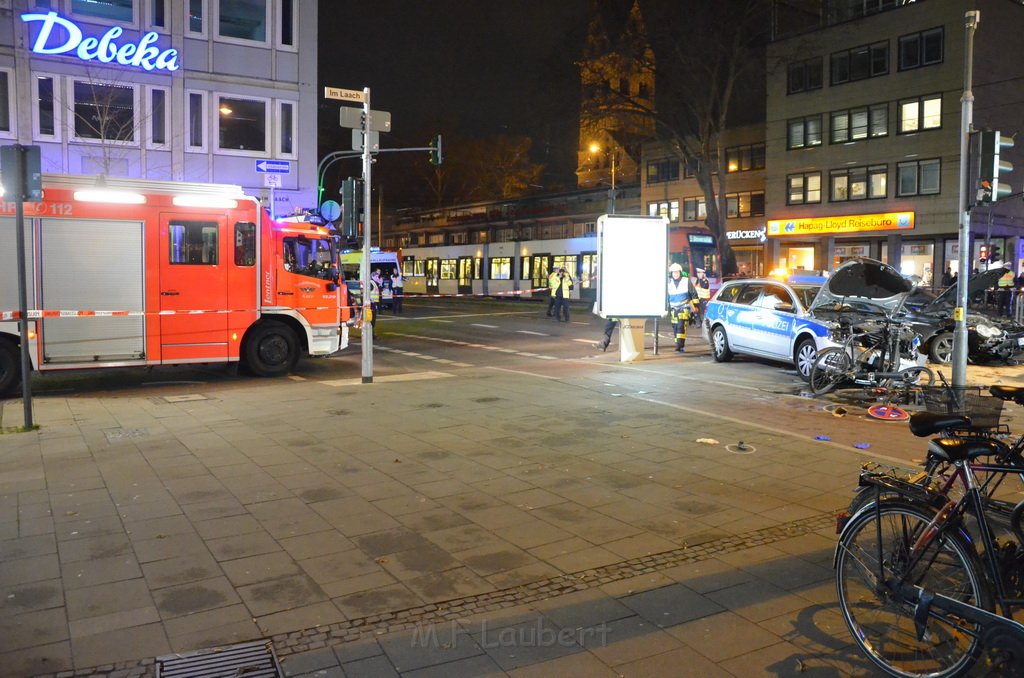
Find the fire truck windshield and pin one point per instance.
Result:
(313, 257)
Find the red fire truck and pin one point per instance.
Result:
(138, 272)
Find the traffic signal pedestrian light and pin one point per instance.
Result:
(436, 158)
(994, 254)
(351, 206)
(992, 169)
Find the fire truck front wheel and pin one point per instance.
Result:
(10, 367)
(272, 350)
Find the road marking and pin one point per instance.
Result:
(536, 334)
(295, 377)
(586, 341)
(412, 376)
(528, 374)
(490, 327)
(440, 320)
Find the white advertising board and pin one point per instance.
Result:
(632, 260)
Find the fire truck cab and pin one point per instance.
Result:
(138, 272)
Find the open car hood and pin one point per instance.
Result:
(976, 283)
(864, 285)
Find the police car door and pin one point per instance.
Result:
(775, 320)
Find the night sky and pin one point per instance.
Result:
(463, 68)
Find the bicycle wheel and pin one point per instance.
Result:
(831, 366)
(882, 626)
(916, 376)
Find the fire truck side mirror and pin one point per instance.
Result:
(332, 286)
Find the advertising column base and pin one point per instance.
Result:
(631, 339)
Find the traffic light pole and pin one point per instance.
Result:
(364, 272)
(971, 20)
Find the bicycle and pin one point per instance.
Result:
(871, 354)
(914, 589)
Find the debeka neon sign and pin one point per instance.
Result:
(141, 54)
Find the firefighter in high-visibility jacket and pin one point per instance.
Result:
(681, 299)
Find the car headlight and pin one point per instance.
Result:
(988, 331)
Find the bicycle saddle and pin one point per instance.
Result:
(1014, 393)
(958, 449)
(923, 424)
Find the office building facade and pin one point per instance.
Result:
(219, 91)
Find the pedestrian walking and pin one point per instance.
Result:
(560, 293)
(680, 303)
(397, 283)
(374, 299)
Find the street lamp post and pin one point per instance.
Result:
(595, 148)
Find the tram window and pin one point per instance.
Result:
(501, 268)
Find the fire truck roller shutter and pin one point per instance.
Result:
(271, 348)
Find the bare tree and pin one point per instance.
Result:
(708, 61)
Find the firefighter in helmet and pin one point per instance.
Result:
(680, 303)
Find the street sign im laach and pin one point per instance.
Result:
(345, 94)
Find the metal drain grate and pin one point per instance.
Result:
(248, 660)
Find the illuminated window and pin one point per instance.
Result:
(664, 208)
(919, 114)
(744, 158)
(803, 188)
(501, 268)
(857, 183)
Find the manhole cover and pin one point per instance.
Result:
(185, 398)
(251, 660)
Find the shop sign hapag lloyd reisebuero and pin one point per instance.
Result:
(141, 54)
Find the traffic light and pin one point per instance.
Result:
(994, 254)
(436, 158)
(351, 206)
(992, 170)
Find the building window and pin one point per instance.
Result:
(804, 76)
(920, 114)
(244, 19)
(659, 171)
(918, 177)
(242, 124)
(746, 204)
(104, 111)
(196, 17)
(803, 188)
(664, 208)
(6, 99)
(157, 116)
(286, 121)
(46, 107)
(197, 121)
(920, 49)
(860, 63)
(859, 123)
(804, 132)
(857, 183)
(287, 23)
(744, 158)
(501, 268)
(111, 10)
(158, 14)
(694, 209)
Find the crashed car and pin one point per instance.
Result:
(856, 297)
(989, 338)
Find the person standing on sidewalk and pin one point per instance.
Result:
(552, 284)
(563, 286)
(680, 296)
(397, 282)
(703, 288)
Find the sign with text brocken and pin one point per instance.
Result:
(848, 223)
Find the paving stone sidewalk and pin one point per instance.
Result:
(463, 523)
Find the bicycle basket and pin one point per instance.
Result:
(967, 401)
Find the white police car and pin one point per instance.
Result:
(767, 318)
